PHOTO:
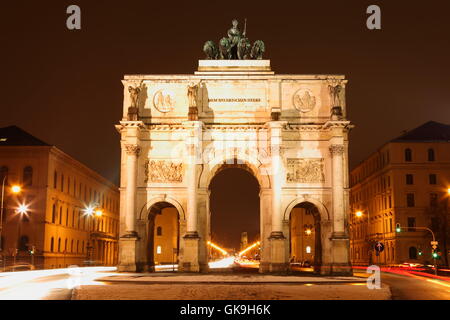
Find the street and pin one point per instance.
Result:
(58, 284)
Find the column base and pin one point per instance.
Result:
(278, 261)
(340, 265)
(190, 261)
(127, 254)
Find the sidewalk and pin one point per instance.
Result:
(158, 286)
(179, 278)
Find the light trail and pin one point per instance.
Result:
(223, 263)
(257, 243)
(218, 248)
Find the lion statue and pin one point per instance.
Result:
(210, 50)
(243, 49)
(257, 50)
(225, 48)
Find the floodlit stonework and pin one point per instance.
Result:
(289, 131)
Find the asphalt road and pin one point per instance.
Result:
(416, 288)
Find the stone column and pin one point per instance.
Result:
(337, 151)
(191, 239)
(277, 240)
(129, 240)
(130, 194)
(340, 264)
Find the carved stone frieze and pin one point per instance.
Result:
(305, 170)
(163, 171)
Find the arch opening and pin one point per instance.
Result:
(163, 237)
(234, 216)
(305, 245)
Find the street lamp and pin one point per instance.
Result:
(93, 211)
(14, 189)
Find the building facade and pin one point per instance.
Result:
(56, 193)
(404, 183)
(289, 131)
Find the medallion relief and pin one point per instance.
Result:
(305, 170)
(304, 100)
(163, 101)
(163, 171)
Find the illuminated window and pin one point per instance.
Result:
(158, 249)
(308, 249)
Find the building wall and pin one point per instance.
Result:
(379, 188)
(57, 205)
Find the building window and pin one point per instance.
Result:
(433, 200)
(23, 243)
(4, 174)
(62, 183)
(27, 176)
(55, 179)
(308, 249)
(54, 213)
(409, 179)
(59, 245)
(413, 253)
(432, 178)
(408, 155)
(60, 215)
(410, 200)
(435, 223)
(52, 244)
(158, 249)
(411, 223)
(159, 231)
(430, 154)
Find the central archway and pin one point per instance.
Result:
(234, 211)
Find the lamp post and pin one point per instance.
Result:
(92, 212)
(359, 214)
(15, 189)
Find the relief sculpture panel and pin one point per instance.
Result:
(163, 171)
(305, 170)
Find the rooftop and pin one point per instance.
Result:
(429, 131)
(15, 136)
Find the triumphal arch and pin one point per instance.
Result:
(289, 131)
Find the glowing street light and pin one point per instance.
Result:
(22, 209)
(257, 243)
(98, 212)
(308, 232)
(359, 214)
(217, 248)
(16, 189)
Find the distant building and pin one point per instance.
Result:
(404, 182)
(55, 231)
(244, 241)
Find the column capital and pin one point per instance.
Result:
(132, 149)
(336, 149)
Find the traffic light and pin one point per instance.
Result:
(420, 252)
(398, 228)
(435, 255)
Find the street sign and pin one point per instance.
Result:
(379, 247)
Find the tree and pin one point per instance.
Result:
(439, 224)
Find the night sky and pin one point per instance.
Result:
(64, 86)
